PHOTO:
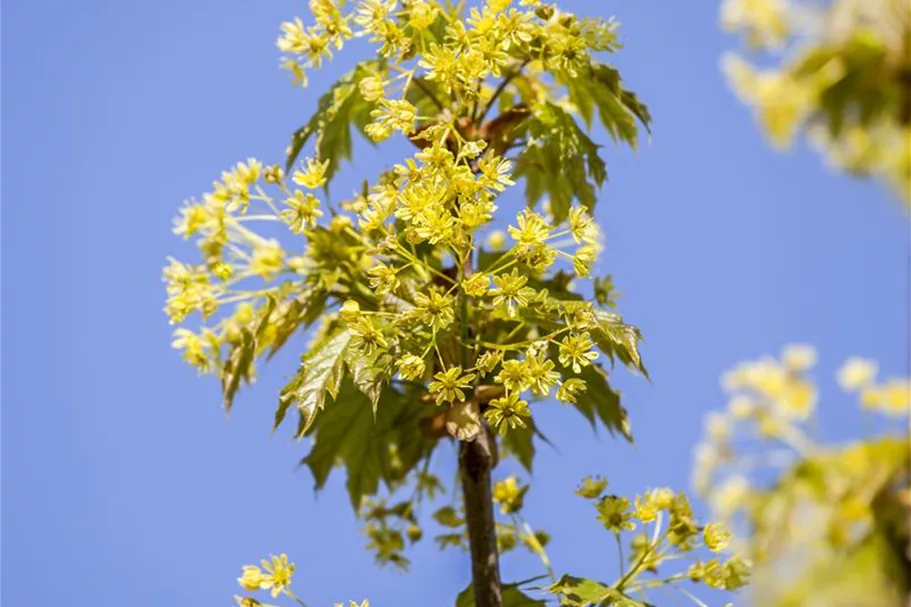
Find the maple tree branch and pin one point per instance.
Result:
(477, 459)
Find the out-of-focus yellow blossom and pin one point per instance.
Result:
(267, 259)
(892, 397)
(716, 537)
(798, 357)
(570, 389)
(828, 60)
(411, 366)
(857, 373)
(592, 487)
(477, 285)
(780, 102)
(509, 494)
(497, 240)
(764, 22)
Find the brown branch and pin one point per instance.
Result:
(501, 88)
(476, 461)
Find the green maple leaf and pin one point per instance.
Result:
(372, 448)
(600, 87)
(512, 597)
(339, 108)
(560, 161)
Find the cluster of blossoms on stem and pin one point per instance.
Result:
(662, 530)
(436, 306)
(274, 575)
(402, 259)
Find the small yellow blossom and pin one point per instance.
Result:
(411, 366)
(716, 537)
(488, 361)
(314, 175)
(450, 385)
(507, 412)
(798, 357)
(267, 259)
(515, 375)
(511, 292)
(614, 513)
(477, 285)
(576, 351)
(857, 373)
(509, 494)
(570, 389)
(434, 310)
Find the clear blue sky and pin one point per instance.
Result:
(124, 483)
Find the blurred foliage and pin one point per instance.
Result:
(826, 524)
(838, 71)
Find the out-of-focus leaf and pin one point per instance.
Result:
(512, 597)
(448, 517)
(518, 442)
(600, 87)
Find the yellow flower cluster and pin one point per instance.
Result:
(674, 533)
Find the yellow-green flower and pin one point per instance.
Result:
(434, 310)
(275, 575)
(509, 494)
(477, 285)
(541, 374)
(576, 351)
(570, 389)
(411, 366)
(280, 572)
(515, 375)
(303, 212)
(511, 292)
(488, 361)
(450, 385)
(716, 537)
(507, 412)
(383, 278)
(532, 230)
(314, 176)
(367, 335)
(614, 513)
(592, 487)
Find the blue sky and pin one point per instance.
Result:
(124, 483)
